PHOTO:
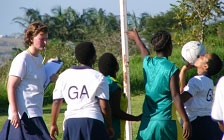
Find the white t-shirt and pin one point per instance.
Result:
(218, 104)
(29, 93)
(201, 89)
(80, 87)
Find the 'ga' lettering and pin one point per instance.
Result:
(74, 94)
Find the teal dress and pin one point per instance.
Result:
(158, 120)
(113, 86)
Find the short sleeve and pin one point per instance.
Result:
(193, 86)
(57, 93)
(145, 60)
(218, 104)
(18, 66)
(102, 91)
(173, 70)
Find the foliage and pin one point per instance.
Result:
(69, 25)
(148, 24)
(196, 14)
(63, 50)
(30, 16)
(163, 21)
(3, 98)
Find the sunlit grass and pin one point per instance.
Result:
(136, 102)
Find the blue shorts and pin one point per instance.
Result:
(84, 129)
(30, 129)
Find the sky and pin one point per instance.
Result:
(10, 9)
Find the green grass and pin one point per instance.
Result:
(136, 102)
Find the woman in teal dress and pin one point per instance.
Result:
(162, 90)
(109, 66)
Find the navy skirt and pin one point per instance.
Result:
(30, 129)
(84, 129)
(204, 128)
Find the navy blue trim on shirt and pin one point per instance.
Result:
(206, 75)
(101, 98)
(58, 99)
(80, 67)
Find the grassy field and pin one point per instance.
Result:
(136, 102)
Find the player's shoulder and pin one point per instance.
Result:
(97, 73)
(23, 54)
(21, 57)
(87, 71)
(202, 77)
(197, 79)
(221, 80)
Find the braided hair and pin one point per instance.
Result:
(161, 40)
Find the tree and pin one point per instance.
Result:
(196, 14)
(150, 24)
(133, 21)
(31, 15)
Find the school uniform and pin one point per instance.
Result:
(29, 97)
(198, 108)
(158, 122)
(81, 87)
(218, 104)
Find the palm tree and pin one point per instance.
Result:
(31, 15)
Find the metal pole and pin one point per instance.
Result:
(125, 61)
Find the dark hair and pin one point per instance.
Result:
(33, 30)
(161, 40)
(84, 52)
(214, 64)
(108, 64)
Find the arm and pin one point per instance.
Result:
(56, 106)
(116, 110)
(133, 35)
(105, 109)
(185, 96)
(182, 76)
(13, 83)
(53, 78)
(174, 87)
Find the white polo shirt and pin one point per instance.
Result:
(29, 93)
(80, 87)
(201, 89)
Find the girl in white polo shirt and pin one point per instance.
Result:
(197, 96)
(86, 94)
(26, 89)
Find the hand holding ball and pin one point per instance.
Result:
(192, 50)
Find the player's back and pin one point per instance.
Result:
(81, 86)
